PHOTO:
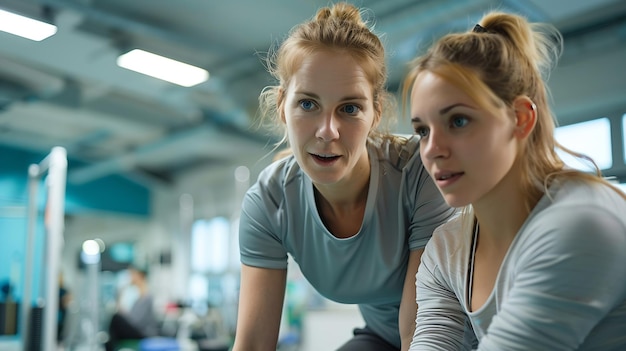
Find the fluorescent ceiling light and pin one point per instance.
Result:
(25, 27)
(162, 68)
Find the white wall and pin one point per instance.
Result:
(329, 328)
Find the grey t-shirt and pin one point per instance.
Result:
(403, 208)
(561, 285)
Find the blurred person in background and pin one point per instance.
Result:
(140, 320)
(65, 299)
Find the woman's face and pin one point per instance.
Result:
(466, 149)
(329, 113)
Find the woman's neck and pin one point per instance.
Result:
(349, 193)
(341, 200)
(502, 212)
(341, 206)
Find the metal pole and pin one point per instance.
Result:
(55, 208)
(91, 257)
(55, 164)
(26, 306)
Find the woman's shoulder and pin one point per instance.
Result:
(279, 173)
(448, 250)
(577, 214)
(450, 237)
(397, 150)
(274, 183)
(573, 198)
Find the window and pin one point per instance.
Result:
(591, 138)
(198, 290)
(210, 245)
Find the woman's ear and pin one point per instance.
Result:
(525, 116)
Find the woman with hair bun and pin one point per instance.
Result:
(352, 204)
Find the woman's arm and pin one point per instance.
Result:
(440, 323)
(408, 306)
(261, 296)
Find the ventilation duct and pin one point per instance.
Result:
(38, 84)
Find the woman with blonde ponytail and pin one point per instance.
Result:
(537, 260)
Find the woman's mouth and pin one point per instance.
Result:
(325, 159)
(444, 179)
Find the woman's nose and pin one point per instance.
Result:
(434, 145)
(328, 128)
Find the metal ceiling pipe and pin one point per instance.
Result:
(214, 128)
(126, 24)
(44, 85)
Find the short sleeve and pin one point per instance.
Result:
(260, 244)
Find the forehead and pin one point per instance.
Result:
(454, 82)
(332, 72)
(432, 90)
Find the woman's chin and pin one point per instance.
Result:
(456, 201)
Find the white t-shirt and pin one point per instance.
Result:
(561, 285)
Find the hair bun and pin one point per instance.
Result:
(341, 12)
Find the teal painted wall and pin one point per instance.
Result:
(13, 237)
(113, 194)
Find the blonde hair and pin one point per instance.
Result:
(338, 28)
(507, 58)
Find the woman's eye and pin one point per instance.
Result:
(307, 105)
(459, 121)
(351, 109)
(422, 132)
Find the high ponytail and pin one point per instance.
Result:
(507, 57)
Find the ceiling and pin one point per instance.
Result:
(67, 90)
